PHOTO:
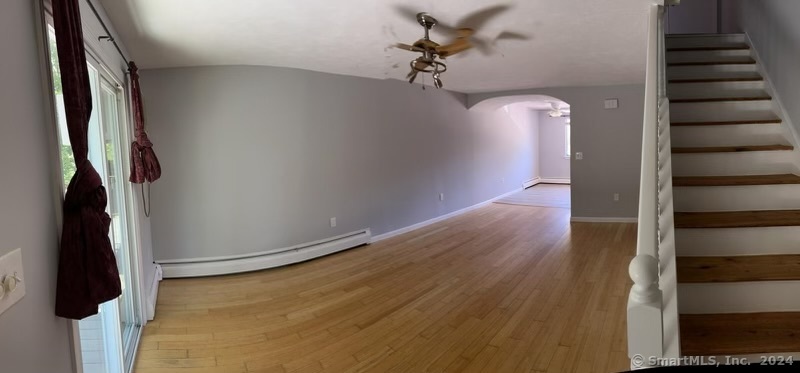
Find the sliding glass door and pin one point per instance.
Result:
(108, 339)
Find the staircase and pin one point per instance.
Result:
(736, 201)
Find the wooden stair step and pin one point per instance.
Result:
(717, 80)
(691, 181)
(702, 269)
(710, 63)
(737, 219)
(732, 149)
(737, 47)
(719, 99)
(740, 333)
(729, 122)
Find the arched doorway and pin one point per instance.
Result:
(548, 121)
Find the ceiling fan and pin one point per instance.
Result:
(465, 39)
(557, 111)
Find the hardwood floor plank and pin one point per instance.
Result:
(499, 288)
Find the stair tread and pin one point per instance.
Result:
(729, 122)
(703, 269)
(688, 181)
(710, 48)
(740, 333)
(737, 219)
(715, 62)
(718, 79)
(731, 149)
(720, 99)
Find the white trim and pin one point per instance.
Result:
(152, 294)
(440, 218)
(531, 182)
(580, 219)
(295, 254)
(554, 180)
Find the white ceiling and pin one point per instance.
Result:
(572, 42)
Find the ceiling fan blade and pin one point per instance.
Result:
(457, 46)
(482, 46)
(407, 47)
(510, 35)
(476, 20)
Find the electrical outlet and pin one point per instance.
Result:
(333, 222)
(441, 196)
(616, 197)
(578, 156)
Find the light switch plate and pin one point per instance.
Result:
(10, 264)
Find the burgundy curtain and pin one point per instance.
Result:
(87, 268)
(144, 163)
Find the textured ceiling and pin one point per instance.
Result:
(571, 42)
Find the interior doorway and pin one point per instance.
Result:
(549, 124)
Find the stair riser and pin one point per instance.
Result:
(738, 241)
(713, 89)
(720, 111)
(704, 41)
(744, 134)
(695, 56)
(739, 297)
(732, 164)
(737, 198)
(711, 71)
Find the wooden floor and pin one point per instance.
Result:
(500, 289)
(541, 195)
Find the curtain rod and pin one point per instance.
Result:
(108, 33)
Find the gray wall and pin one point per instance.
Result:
(611, 141)
(552, 144)
(258, 158)
(522, 115)
(32, 338)
(692, 17)
(775, 31)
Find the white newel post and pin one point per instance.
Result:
(645, 333)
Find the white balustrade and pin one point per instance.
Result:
(652, 315)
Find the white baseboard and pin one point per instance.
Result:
(553, 180)
(152, 294)
(531, 182)
(440, 218)
(268, 259)
(579, 219)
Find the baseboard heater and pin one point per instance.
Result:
(262, 260)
